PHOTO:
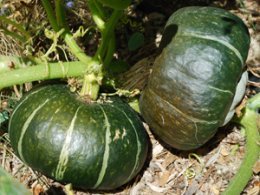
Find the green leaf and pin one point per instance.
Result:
(4, 116)
(118, 66)
(135, 41)
(8, 185)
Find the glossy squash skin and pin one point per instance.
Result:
(194, 79)
(100, 145)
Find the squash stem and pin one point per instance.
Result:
(249, 122)
(97, 14)
(68, 37)
(108, 33)
(61, 14)
(90, 86)
(43, 71)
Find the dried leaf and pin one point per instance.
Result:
(164, 178)
(156, 188)
(37, 189)
(256, 168)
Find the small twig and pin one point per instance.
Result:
(16, 91)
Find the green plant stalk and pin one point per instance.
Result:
(100, 8)
(249, 122)
(8, 63)
(42, 72)
(97, 15)
(68, 37)
(8, 185)
(108, 33)
(50, 15)
(90, 87)
(18, 26)
(110, 51)
(61, 15)
(91, 82)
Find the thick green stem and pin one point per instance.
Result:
(108, 33)
(68, 37)
(42, 72)
(61, 14)
(8, 63)
(97, 15)
(249, 122)
(90, 86)
(110, 51)
(50, 14)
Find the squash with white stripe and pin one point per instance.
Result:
(193, 82)
(100, 145)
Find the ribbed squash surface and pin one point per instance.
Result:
(100, 145)
(194, 79)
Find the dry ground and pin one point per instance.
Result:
(167, 171)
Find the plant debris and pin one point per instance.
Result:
(206, 170)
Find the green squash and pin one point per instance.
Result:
(194, 79)
(9, 186)
(116, 4)
(100, 145)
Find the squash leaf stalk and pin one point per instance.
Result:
(91, 68)
(33, 72)
(249, 121)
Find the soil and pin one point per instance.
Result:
(206, 170)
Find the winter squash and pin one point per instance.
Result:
(100, 145)
(195, 78)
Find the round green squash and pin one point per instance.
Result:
(100, 145)
(194, 79)
(116, 4)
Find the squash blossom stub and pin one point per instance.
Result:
(195, 78)
(99, 145)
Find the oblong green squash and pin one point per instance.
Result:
(194, 79)
(100, 145)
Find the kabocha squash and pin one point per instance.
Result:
(194, 79)
(100, 145)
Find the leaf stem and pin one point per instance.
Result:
(108, 33)
(50, 14)
(110, 51)
(68, 37)
(42, 71)
(249, 123)
(97, 14)
(61, 14)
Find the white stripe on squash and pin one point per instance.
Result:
(221, 90)
(212, 38)
(106, 152)
(21, 102)
(190, 118)
(25, 127)
(64, 155)
(138, 146)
